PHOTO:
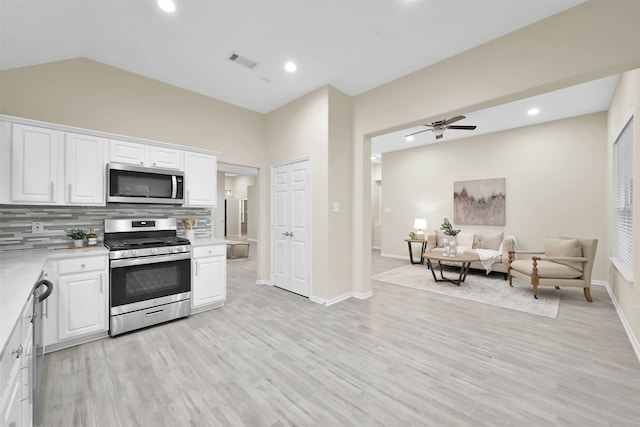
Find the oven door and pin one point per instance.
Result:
(139, 283)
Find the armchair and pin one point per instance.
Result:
(564, 262)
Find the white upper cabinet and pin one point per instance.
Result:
(85, 170)
(133, 153)
(50, 167)
(200, 176)
(166, 158)
(34, 164)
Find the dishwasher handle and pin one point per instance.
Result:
(46, 293)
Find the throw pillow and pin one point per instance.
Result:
(490, 240)
(564, 248)
(465, 239)
(440, 236)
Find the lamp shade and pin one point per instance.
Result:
(420, 223)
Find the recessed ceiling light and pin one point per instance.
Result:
(533, 111)
(290, 67)
(409, 138)
(167, 5)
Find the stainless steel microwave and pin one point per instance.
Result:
(136, 184)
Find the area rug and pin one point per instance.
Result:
(486, 289)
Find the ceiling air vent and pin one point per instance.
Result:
(234, 57)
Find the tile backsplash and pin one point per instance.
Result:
(15, 222)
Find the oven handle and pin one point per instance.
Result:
(116, 263)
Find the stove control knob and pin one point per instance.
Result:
(172, 249)
(134, 253)
(154, 251)
(124, 254)
(181, 248)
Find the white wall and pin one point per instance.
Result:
(626, 101)
(555, 183)
(87, 94)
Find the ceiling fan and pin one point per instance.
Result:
(441, 125)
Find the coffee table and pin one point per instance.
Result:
(463, 259)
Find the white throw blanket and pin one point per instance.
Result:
(487, 258)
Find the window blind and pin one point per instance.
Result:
(623, 197)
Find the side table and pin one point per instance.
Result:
(424, 246)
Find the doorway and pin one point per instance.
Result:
(243, 216)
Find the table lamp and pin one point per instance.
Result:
(420, 224)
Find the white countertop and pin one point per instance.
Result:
(207, 242)
(19, 271)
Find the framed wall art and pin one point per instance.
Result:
(479, 202)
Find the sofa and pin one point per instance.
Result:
(491, 246)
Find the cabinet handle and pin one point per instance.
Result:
(69, 192)
(197, 268)
(45, 312)
(142, 163)
(17, 352)
(101, 280)
(51, 196)
(83, 265)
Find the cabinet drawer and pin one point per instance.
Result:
(77, 265)
(205, 251)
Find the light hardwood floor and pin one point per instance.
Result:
(401, 358)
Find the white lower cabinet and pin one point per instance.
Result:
(77, 308)
(16, 403)
(209, 277)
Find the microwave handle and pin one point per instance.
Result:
(174, 186)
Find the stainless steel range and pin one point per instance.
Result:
(150, 280)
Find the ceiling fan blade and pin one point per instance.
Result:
(453, 120)
(438, 136)
(464, 127)
(415, 133)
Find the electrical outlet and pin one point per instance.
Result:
(37, 227)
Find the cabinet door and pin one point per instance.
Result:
(12, 410)
(200, 175)
(130, 153)
(210, 278)
(85, 170)
(166, 158)
(82, 306)
(34, 164)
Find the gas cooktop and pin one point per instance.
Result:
(152, 242)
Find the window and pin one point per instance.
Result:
(622, 248)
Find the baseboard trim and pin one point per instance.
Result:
(340, 298)
(265, 282)
(635, 344)
(404, 257)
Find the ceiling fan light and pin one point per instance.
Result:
(409, 138)
(438, 131)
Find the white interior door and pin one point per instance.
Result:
(291, 227)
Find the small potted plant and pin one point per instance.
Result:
(77, 235)
(450, 244)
